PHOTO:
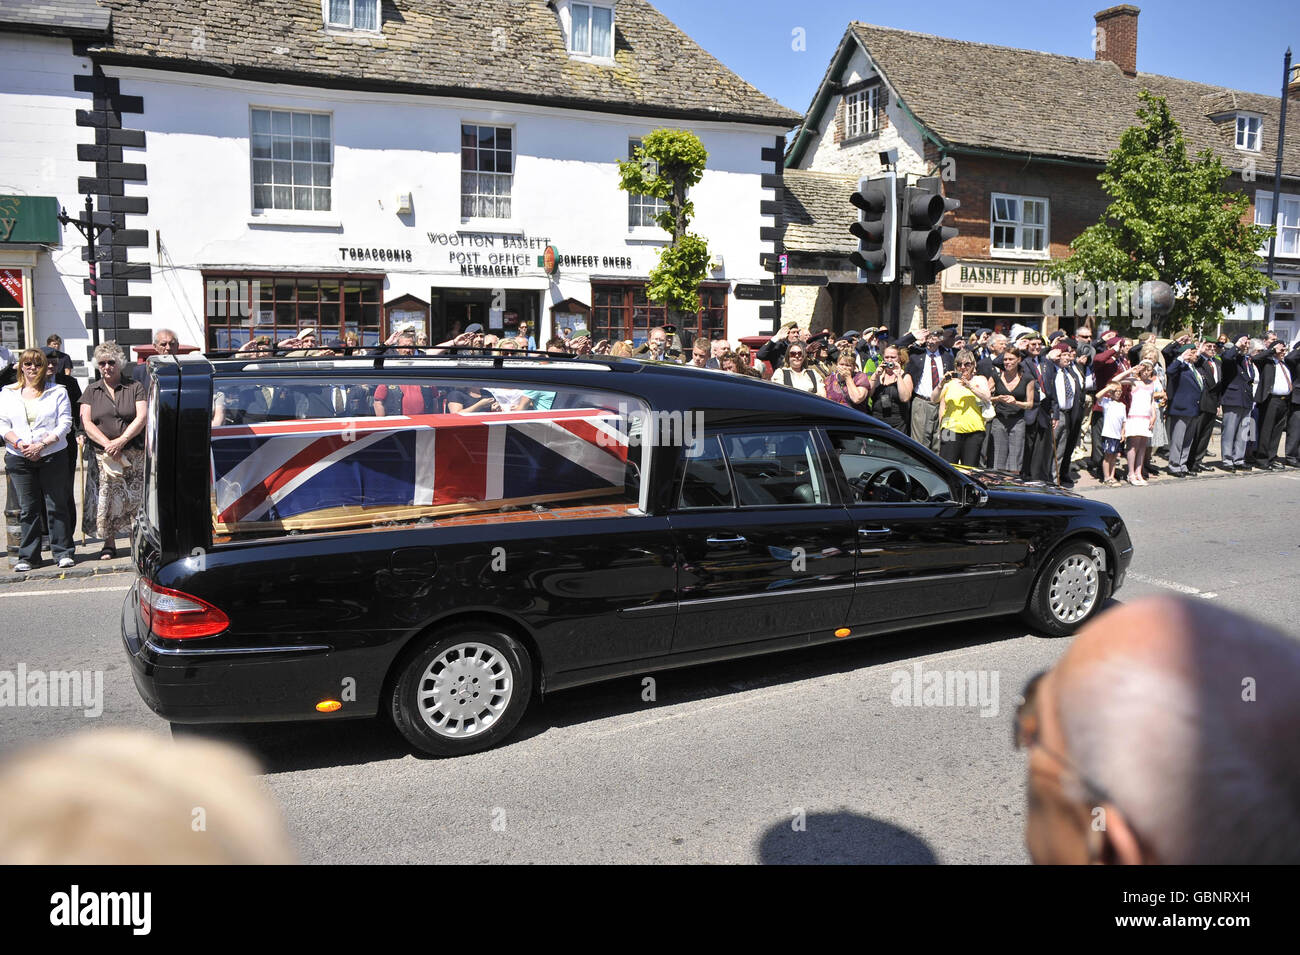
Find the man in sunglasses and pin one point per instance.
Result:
(1148, 744)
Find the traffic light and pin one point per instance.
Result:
(876, 228)
(923, 233)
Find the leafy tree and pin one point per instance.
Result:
(1172, 220)
(666, 164)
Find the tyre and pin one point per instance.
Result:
(1070, 589)
(462, 691)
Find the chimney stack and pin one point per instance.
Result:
(1116, 37)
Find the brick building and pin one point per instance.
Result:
(1017, 136)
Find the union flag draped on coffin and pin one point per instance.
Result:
(323, 472)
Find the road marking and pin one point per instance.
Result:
(79, 590)
(1170, 585)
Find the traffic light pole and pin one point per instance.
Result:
(90, 232)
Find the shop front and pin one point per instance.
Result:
(622, 312)
(999, 295)
(27, 225)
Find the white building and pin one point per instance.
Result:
(350, 167)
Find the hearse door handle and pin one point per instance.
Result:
(873, 532)
(728, 540)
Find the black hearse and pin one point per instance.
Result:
(445, 538)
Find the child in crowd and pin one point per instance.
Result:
(1112, 430)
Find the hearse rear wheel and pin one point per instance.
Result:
(462, 692)
(1070, 589)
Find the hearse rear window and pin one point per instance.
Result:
(297, 455)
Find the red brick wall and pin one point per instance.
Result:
(1121, 34)
(1075, 201)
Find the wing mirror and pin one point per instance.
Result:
(972, 495)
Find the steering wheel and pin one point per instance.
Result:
(889, 484)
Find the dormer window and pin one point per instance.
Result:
(591, 30)
(1248, 126)
(352, 14)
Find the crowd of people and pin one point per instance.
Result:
(1019, 403)
(1025, 404)
(44, 437)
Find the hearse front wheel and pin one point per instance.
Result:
(1070, 589)
(462, 692)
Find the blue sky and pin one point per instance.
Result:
(1192, 39)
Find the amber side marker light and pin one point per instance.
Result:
(328, 706)
(843, 632)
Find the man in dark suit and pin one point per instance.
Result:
(1240, 382)
(1186, 388)
(1039, 449)
(1064, 382)
(927, 369)
(1278, 398)
(1212, 371)
(1292, 362)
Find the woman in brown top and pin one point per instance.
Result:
(113, 415)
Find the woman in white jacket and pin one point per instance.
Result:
(36, 417)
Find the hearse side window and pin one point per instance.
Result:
(776, 468)
(880, 472)
(307, 454)
(706, 482)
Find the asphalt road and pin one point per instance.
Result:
(798, 757)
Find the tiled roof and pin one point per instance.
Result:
(1023, 101)
(81, 18)
(511, 50)
(818, 213)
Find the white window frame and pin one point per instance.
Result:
(1264, 198)
(590, 8)
(1020, 227)
(352, 17)
(273, 211)
(1243, 127)
(643, 203)
(514, 169)
(861, 112)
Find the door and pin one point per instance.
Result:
(920, 552)
(764, 548)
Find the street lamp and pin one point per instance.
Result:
(85, 224)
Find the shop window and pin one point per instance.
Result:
(487, 168)
(622, 312)
(241, 307)
(1019, 225)
(12, 313)
(352, 14)
(292, 157)
(1001, 312)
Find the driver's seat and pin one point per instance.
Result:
(804, 494)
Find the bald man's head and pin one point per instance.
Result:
(1168, 734)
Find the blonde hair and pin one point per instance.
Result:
(110, 350)
(118, 796)
(28, 355)
(620, 350)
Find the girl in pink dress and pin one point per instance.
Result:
(1143, 388)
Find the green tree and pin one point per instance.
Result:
(1171, 219)
(666, 164)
